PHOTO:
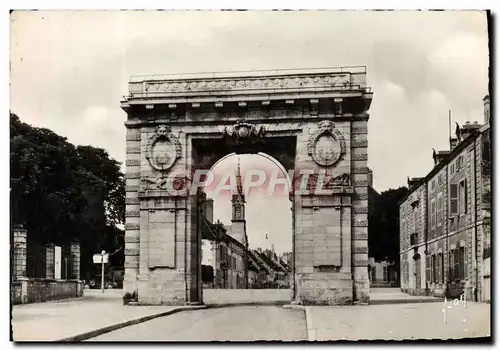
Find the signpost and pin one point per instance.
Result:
(101, 258)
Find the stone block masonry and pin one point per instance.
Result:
(304, 120)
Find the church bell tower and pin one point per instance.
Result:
(238, 200)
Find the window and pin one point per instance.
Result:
(386, 278)
(452, 169)
(439, 209)
(462, 196)
(433, 185)
(222, 253)
(415, 220)
(453, 199)
(433, 213)
(459, 162)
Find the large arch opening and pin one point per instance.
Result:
(252, 261)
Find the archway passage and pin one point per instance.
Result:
(313, 122)
(247, 232)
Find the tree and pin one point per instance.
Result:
(61, 192)
(383, 224)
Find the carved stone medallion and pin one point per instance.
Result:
(327, 145)
(163, 149)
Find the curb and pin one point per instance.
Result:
(110, 328)
(246, 304)
(311, 332)
(396, 301)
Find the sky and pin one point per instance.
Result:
(70, 69)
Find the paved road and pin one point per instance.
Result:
(401, 321)
(241, 323)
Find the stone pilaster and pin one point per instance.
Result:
(360, 182)
(75, 254)
(19, 258)
(49, 261)
(132, 212)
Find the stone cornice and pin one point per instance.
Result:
(216, 97)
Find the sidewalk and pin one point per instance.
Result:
(398, 322)
(81, 318)
(379, 296)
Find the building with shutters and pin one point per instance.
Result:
(445, 221)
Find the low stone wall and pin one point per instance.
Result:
(236, 296)
(32, 290)
(16, 293)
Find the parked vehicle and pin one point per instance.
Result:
(113, 279)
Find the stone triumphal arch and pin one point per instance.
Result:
(313, 122)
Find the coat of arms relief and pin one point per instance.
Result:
(162, 152)
(326, 146)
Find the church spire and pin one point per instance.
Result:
(238, 197)
(239, 186)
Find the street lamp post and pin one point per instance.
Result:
(103, 252)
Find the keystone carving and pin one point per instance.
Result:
(244, 132)
(163, 149)
(327, 145)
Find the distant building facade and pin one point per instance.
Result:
(445, 242)
(382, 274)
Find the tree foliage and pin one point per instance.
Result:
(61, 192)
(383, 224)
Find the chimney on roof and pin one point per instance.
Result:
(453, 143)
(468, 128)
(439, 156)
(486, 101)
(413, 181)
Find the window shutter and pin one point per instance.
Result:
(456, 264)
(428, 268)
(451, 266)
(434, 268)
(440, 267)
(453, 199)
(464, 263)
